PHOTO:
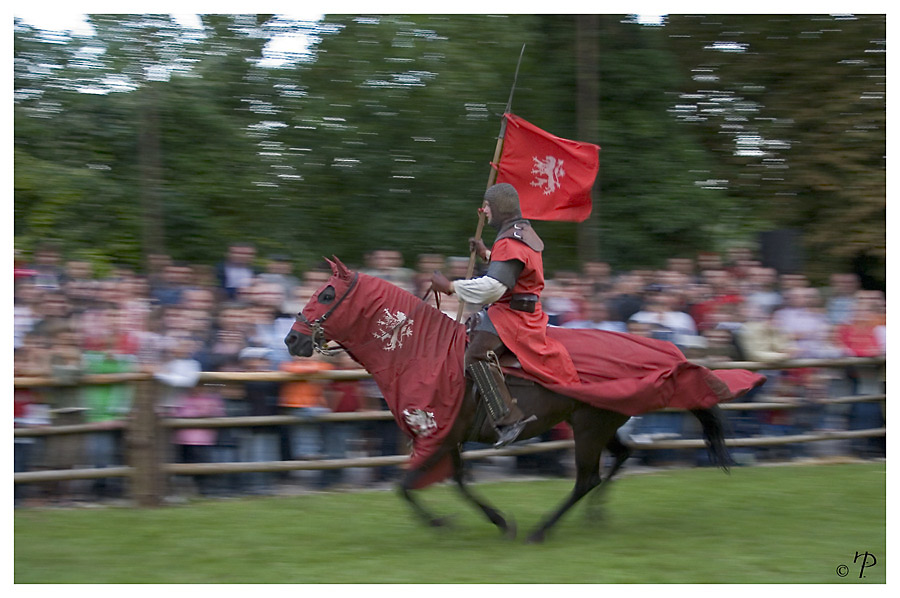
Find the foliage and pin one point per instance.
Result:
(791, 524)
(795, 107)
(395, 131)
(651, 206)
(182, 140)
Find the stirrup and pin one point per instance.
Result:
(508, 434)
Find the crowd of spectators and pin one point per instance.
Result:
(179, 320)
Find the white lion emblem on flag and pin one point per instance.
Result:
(549, 171)
(421, 422)
(393, 328)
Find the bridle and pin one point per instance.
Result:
(317, 326)
(317, 329)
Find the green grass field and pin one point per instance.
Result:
(794, 524)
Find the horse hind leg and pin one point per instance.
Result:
(504, 524)
(620, 453)
(584, 483)
(592, 430)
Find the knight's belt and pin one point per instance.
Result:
(524, 302)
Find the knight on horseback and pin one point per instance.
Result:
(512, 319)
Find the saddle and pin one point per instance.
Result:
(508, 359)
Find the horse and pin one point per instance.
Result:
(415, 354)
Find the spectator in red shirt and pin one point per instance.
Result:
(858, 337)
(723, 291)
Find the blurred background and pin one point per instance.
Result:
(179, 178)
(148, 134)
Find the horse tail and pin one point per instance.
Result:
(714, 434)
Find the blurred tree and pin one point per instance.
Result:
(150, 134)
(393, 128)
(167, 117)
(66, 146)
(652, 201)
(794, 108)
(394, 111)
(587, 107)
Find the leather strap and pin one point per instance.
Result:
(521, 230)
(489, 380)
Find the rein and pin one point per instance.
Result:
(437, 297)
(316, 326)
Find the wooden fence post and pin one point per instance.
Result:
(145, 444)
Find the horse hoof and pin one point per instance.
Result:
(511, 530)
(535, 538)
(595, 513)
(441, 521)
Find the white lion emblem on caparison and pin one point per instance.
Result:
(421, 422)
(393, 328)
(549, 171)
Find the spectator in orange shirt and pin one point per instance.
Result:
(343, 396)
(305, 399)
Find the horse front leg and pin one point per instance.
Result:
(506, 526)
(427, 516)
(408, 484)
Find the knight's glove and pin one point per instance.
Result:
(441, 283)
(479, 248)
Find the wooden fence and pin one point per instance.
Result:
(147, 434)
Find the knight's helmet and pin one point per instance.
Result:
(504, 202)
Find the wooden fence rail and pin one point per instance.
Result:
(47, 381)
(471, 455)
(147, 433)
(365, 416)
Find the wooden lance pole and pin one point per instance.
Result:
(492, 177)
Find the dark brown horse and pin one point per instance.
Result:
(394, 334)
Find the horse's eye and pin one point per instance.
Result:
(327, 295)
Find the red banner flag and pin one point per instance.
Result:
(553, 175)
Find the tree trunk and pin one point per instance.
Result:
(587, 49)
(152, 225)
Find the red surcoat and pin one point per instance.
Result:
(524, 333)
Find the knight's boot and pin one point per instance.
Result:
(502, 409)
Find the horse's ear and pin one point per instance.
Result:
(334, 268)
(339, 269)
